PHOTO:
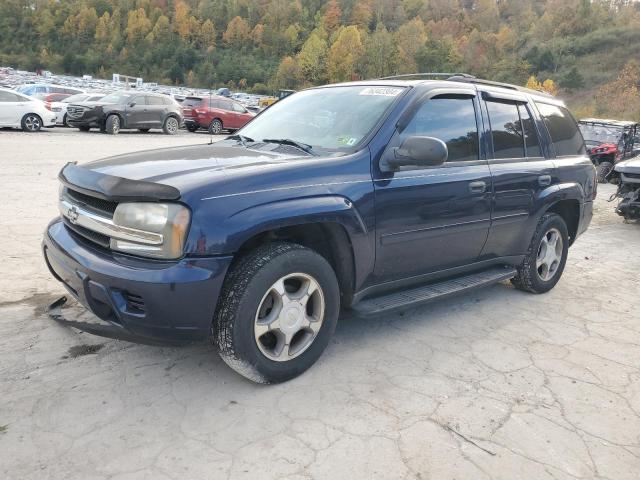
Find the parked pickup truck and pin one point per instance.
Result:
(364, 197)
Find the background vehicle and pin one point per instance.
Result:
(44, 88)
(214, 114)
(279, 95)
(20, 111)
(60, 108)
(52, 97)
(127, 110)
(371, 196)
(629, 189)
(608, 142)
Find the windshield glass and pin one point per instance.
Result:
(118, 97)
(80, 97)
(334, 118)
(600, 133)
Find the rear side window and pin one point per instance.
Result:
(531, 142)
(225, 105)
(506, 130)
(154, 101)
(452, 119)
(565, 135)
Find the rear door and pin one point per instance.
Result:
(156, 111)
(521, 172)
(434, 218)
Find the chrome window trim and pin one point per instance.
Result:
(105, 226)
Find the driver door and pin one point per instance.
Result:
(434, 218)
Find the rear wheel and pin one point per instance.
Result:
(215, 127)
(546, 257)
(171, 126)
(278, 309)
(31, 122)
(112, 125)
(603, 171)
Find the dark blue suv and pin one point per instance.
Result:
(365, 197)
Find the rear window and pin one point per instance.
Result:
(565, 135)
(191, 102)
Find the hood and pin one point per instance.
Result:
(179, 170)
(629, 166)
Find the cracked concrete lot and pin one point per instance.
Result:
(497, 384)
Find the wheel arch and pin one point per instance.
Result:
(569, 210)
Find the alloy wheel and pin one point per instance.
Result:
(172, 125)
(549, 255)
(289, 317)
(32, 122)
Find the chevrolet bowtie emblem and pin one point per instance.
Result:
(72, 214)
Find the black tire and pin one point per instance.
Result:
(31, 122)
(84, 129)
(171, 125)
(528, 277)
(65, 121)
(215, 127)
(192, 128)
(144, 130)
(112, 125)
(244, 289)
(603, 170)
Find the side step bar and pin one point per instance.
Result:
(434, 291)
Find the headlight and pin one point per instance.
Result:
(166, 224)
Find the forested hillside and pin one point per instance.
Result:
(259, 45)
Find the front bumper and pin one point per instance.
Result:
(90, 118)
(172, 301)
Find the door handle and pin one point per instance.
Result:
(544, 180)
(477, 187)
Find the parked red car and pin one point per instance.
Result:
(214, 114)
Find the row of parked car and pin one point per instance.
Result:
(32, 107)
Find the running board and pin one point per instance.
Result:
(434, 291)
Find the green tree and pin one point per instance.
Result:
(344, 55)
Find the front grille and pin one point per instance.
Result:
(87, 234)
(134, 302)
(102, 207)
(76, 111)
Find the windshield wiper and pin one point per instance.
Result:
(241, 138)
(287, 141)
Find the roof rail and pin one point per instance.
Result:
(481, 81)
(427, 74)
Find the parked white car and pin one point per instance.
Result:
(60, 108)
(20, 111)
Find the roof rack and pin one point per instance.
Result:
(427, 74)
(466, 78)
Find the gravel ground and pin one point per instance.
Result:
(496, 384)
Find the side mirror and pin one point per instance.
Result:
(417, 151)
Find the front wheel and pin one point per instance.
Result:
(215, 127)
(112, 125)
(65, 121)
(278, 309)
(31, 123)
(546, 257)
(603, 170)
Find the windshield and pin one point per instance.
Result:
(80, 97)
(600, 133)
(334, 118)
(118, 97)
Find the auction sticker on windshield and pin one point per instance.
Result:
(383, 91)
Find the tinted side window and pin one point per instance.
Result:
(452, 119)
(238, 108)
(532, 144)
(224, 105)
(10, 97)
(565, 135)
(154, 101)
(506, 130)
